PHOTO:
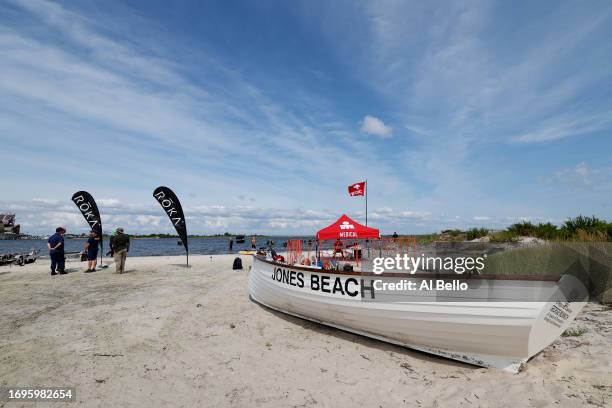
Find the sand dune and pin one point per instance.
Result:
(165, 335)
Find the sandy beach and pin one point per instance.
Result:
(165, 335)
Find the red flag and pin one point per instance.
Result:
(357, 189)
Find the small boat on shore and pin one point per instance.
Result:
(19, 259)
(501, 323)
(496, 321)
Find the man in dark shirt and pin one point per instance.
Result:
(56, 251)
(92, 245)
(121, 246)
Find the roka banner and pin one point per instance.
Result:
(87, 205)
(172, 206)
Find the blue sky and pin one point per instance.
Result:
(260, 114)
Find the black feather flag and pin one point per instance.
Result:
(87, 205)
(172, 206)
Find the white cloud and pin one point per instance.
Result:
(148, 111)
(40, 216)
(439, 67)
(75, 76)
(418, 130)
(566, 126)
(374, 126)
(110, 202)
(582, 177)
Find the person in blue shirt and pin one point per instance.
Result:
(91, 246)
(56, 251)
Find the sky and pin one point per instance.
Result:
(260, 114)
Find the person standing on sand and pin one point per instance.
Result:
(110, 244)
(91, 246)
(338, 248)
(231, 244)
(55, 243)
(253, 242)
(120, 246)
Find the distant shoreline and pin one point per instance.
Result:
(580, 228)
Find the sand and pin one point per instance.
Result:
(164, 335)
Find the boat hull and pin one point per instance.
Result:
(500, 332)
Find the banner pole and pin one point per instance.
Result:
(187, 258)
(366, 200)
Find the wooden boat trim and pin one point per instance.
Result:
(465, 276)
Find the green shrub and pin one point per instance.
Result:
(577, 332)
(580, 228)
(588, 224)
(477, 233)
(547, 231)
(524, 228)
(527, 229)
(504, 236)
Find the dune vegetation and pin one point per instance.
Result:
(577, 229)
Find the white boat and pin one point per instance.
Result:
(499, 322)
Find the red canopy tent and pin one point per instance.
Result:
(346, 228)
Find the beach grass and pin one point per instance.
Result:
(591, 262)
(503, 236)
(575, 332)
(545, 260)
(475, 233)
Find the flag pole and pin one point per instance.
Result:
(366, 200)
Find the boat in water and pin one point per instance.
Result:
(496, 321)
